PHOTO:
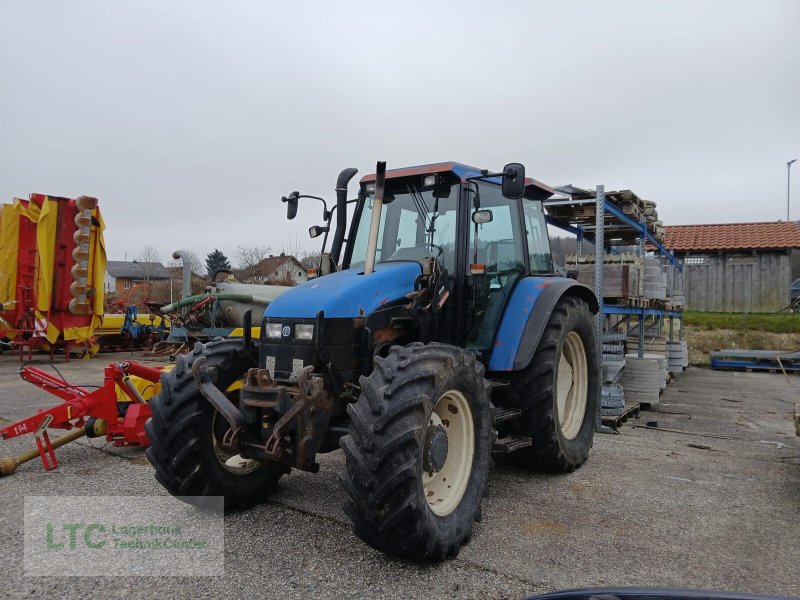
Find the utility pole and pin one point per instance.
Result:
(788, 185)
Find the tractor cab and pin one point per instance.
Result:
(484, 240)
(461, 226)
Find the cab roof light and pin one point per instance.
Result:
(430, 180)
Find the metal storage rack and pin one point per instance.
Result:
(611, 228)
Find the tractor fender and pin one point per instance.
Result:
(526, 315)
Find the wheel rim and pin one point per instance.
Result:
(572, 386)
(233, 463)
(444, 488)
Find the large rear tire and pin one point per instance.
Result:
(558, 391)
(185, 434)
(419, 451)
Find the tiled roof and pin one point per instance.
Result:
(268, 265)
(265, 268)
(732, 236)
(137, 270)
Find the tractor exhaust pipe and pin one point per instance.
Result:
(9, 464)
(186, 287)
(341, 212)
(377, 205)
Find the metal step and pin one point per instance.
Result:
(511, 443)
(505, 414)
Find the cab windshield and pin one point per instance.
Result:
(414, 224)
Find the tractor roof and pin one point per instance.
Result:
(533, 189)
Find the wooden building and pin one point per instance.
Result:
(735, 267)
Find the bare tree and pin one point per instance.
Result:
(195, 264)
(146, 257)
(248, 259)
(148, 254)
(292, 248)
(310, 260)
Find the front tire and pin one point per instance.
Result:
(185, 432)
(419, 451)
(557, 393)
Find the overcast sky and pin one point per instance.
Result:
(189, 120)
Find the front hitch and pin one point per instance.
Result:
(294, 420)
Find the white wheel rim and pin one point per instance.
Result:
(236, 463)
(572, 386)
(445, 488)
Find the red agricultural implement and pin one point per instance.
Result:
(117, 410)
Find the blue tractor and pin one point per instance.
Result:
(436, 335)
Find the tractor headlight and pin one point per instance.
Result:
(303, 332)
(273, 330)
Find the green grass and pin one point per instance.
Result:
(776, 323)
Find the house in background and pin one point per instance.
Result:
(735, 267)
(122, 275)
(278, 270)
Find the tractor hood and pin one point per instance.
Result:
(346, 294)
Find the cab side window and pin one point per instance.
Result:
(538, 241)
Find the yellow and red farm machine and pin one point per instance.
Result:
(52, 268)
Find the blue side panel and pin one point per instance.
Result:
(346, 294)
(515, 316)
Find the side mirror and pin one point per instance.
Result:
(514, 180)
(316, 231)
(291, 205)
(479, 217)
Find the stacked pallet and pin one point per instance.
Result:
(656, 345)
(613, 356)
(663, 369)
(677, 298)
(621, 275)
(623, 258)
(620, 282)
(641, 379)
(626, 201)
(675, 293)
(655, 279)
(613, 400)
(756, 360)
(652, 220)
(677, 356)
(613, 361)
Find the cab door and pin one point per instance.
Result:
(498, 249)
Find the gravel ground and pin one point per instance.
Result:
(647, 509)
